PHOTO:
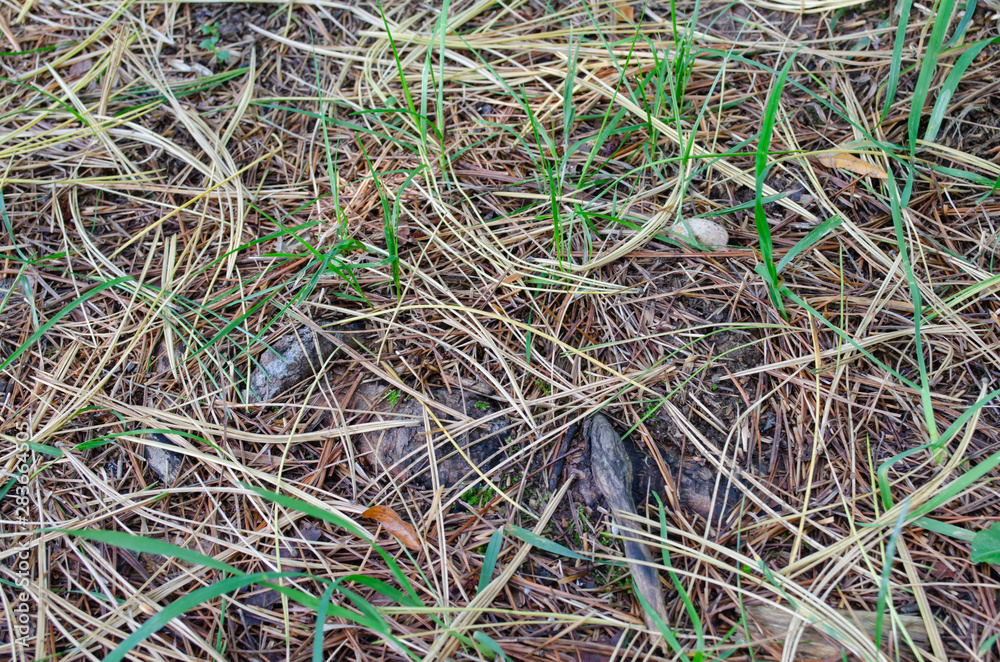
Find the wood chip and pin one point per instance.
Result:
(851, 163)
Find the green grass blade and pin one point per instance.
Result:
(395, 56)
(692, 612)
(422, 118)
(544, 543)
(895, 65)
(896, 204)
(554, 189)
(814, 235)
(372, 618)
(236, 322)
(989, 643)
(740, 207)
(442, 25)
(490, 645)
(960, 484)
(945, 529)
(5, 218)
(343, 124)
(145, 545)
(840, 332)
(324, 604)
(667, 633)
(883, 589)
(963, 25)
(569, 110)
(108, 438)
(308, 509)
(927, 68)
(388, 231)
(883, 473)
(490, 560)
(313, 511)
(951, 84)
(393, 226)
(608, 126)
(761, 169)
(44, 449)
(618, 85)
(185, 604)
(964, 417)
(380, 586)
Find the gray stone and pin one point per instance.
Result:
(165, 463)
(290, 360)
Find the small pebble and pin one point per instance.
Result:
(703, 231)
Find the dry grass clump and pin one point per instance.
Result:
(487, 195)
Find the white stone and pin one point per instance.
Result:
(702, 231)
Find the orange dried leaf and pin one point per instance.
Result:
(395, 525)
(623, 11)
(851, 163)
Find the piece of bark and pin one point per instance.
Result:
(162, 363)
(165, 463)
(255, 599)
(402, 451)
(291, 359)
(695, 483)
(612, 471)
(773, 623)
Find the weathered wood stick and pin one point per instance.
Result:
(612, 471)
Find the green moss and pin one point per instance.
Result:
(478, 496)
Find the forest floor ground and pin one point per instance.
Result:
(466, 229)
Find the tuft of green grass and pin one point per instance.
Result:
(211, 41)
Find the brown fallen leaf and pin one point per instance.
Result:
(394, 524)
(851, 163)
(623, 11)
